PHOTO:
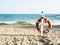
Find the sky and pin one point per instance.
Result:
(29, 6)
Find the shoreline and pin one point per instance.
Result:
(27, 22)
(29, 25)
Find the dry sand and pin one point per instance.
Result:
(27, 35)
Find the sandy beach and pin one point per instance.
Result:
(27, 35)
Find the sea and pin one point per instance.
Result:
(29, 18)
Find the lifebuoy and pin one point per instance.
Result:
(45, 21)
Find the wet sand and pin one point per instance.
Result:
(27, 35)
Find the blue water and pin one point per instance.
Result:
(31, 18)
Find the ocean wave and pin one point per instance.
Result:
(53, 22)
(11, 22)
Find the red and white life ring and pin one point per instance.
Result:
(45, 21)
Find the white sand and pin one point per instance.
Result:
(17, 35)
